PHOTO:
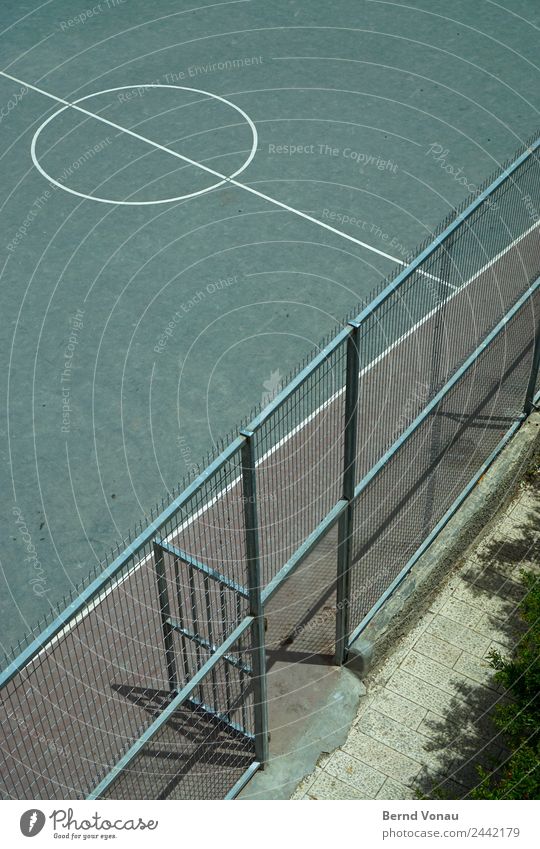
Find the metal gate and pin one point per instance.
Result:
(213, 646)
(199, 608)
(207, 634)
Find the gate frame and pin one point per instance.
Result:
(170, 626)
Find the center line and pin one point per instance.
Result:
(214, 173)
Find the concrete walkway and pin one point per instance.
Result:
(424, 722)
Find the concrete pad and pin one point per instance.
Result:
(311, 708)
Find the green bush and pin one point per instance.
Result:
(519, 720)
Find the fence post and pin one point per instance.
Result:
(163, 593)
(345, 524)
(255, 597)
(529, 395)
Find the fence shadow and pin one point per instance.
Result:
(191, 750)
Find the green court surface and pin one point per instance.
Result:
(161, 272)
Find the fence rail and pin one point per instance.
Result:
(152, 682)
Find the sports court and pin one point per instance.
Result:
(192, 198)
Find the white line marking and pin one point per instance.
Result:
(70, 625)
(245, 116)
(214, 173)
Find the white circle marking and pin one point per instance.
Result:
(210, 188)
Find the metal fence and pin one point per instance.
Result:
(151, 682)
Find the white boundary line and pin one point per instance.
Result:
(279, 444)
(214, 173)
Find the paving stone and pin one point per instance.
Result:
(366, 703)
(459, 635)
(495, 579)
(396, 736)
(499, 602)
(437, 649)
(438, 602)
(399, 708)
(329, 787)
(451, 681)
(478, 669)
(387, 669)
(392, 789)
(435, 785)
(496, 629)
(324, 758)
(501, 569)
(380, 756)
(470, 566)
(363, 778)
(305, 784)
(512, 525)
(422, 692)
(434, 726)
(462, 613)
(418, 630)
(507, 527)
(479, 729)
